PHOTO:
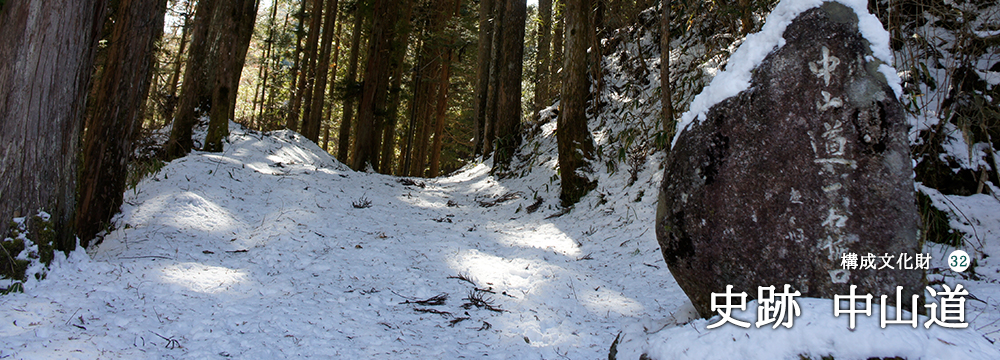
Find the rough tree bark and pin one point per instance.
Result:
(576, 147)
(509, 88)
(46, 56)
(121, 90)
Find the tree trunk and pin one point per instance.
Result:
(46, 56)
(308, 75)
(542, 65)
(311, 123)
(332, 88)
(418, 86)
(371, 109)
(490, 129)
(399, 46)
(344, 137)
(557, 43)
(509, 89)
(262, 73)
(576, 147)
(121, 90)
(292, 118)
(666, 91)
(482, 73)
(199, 81)
(231, 31)
(175, 76)
(440, 115)
(444, 83)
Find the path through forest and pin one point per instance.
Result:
(260, 252)
(272, 249)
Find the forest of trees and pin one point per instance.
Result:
(411, 88)
(407, 88)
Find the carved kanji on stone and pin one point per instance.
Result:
(810, 162)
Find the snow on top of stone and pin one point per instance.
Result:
(752, 52)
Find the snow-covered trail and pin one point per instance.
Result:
(258, 252)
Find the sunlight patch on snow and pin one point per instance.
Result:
(517, 273)
(546, 236)
(203, 278)
(192, 210)
(187, 209)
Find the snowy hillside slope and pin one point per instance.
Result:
(260, 252)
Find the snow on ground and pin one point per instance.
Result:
(259, 252)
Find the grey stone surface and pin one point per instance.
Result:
(809, 163)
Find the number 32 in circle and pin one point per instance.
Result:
(958, 260)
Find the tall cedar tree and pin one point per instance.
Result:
(508, 128)
(350, 98)
(448, 10)
(333, 87)
(292, 117)
(542, 76)
(199, 81)
(311, 122)
(399, 46)
(175, 74)
(482, 73)
(558, 28)
(233, 27)
(428, 86)
(372, 107)
(576, 147)
(493, 85)
(263, 73)
(666, 92)
(308, 64)
(46, 57)
(120, 92)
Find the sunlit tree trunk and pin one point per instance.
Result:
(231, 31)
(121, 90)
(508, 127)
(576, 147)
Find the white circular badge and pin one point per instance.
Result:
(959, 260)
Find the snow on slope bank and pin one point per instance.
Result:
(258, 252)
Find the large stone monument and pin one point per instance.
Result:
(807, 164)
